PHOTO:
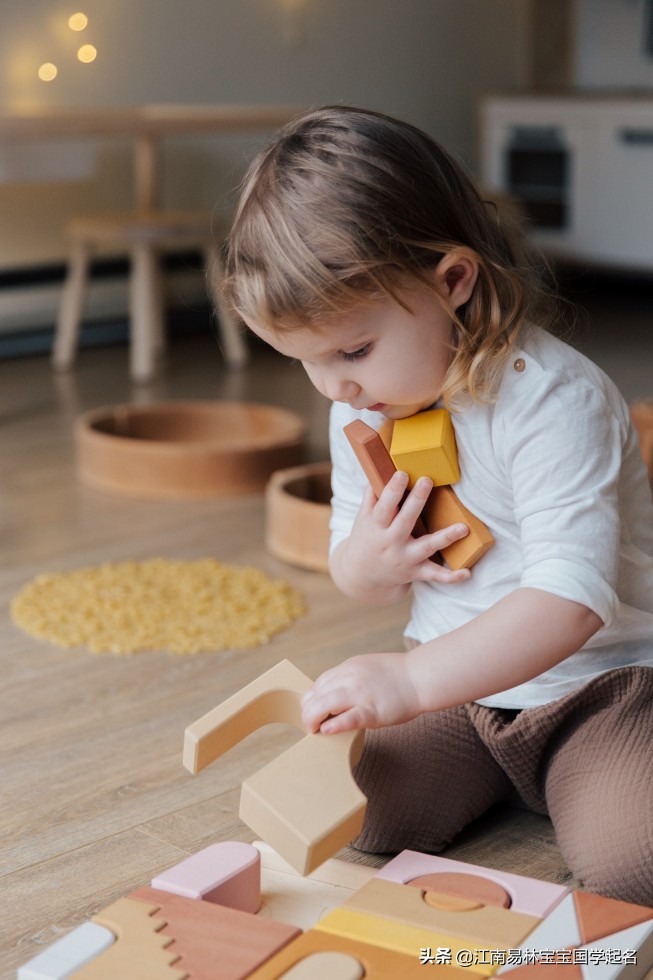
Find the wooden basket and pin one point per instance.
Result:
(186, 449)
(297, 513)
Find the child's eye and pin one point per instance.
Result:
(355, 355)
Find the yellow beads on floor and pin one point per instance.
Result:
(181, 607)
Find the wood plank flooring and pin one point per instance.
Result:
(94, 797)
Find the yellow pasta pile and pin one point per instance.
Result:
(182, 607)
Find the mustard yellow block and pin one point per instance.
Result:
(401, 938)
(377, 963)
(425, 445)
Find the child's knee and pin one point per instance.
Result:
(411, 776)
(620, 869)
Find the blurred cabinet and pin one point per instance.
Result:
(580, 167)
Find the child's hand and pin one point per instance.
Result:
(369, 691)
(381, 549)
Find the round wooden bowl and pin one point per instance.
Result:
(297, 513)
(186, 449)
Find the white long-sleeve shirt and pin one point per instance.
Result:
(553, 468)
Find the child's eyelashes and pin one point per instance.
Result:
(355, 355)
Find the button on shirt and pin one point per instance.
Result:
(553, 468)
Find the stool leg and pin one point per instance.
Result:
(232, 340)
(71, 307)
(145, 307)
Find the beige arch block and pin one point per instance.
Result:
(304, 803)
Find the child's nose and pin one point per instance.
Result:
(342, 389)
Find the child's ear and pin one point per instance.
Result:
(456, 274)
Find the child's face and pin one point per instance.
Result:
(379, 356)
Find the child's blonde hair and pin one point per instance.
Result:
(348, 204)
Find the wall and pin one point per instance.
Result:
(425, 60)
(610, 44)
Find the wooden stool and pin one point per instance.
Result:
(143, 234)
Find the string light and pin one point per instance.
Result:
(77, 22)
(87, 53)
(47, 72)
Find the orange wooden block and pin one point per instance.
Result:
(376, 461)
(599, 917)
(378, 963)
(215, 942)
(443, 509)
(464, 891)
(371, 453)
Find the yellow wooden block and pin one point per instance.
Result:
(402, 938)
(487, 926)
(425, 445)
(377, 963)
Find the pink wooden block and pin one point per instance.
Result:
(527, 895)
(227, 873)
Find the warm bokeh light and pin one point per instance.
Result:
(77, 22)
(47, 72)
(87, 53)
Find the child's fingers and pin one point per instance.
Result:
(388, 502)
(321, 704)
(428, 544)
(414, 504)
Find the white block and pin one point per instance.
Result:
(68, 954)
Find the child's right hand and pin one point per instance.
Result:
(381, 552)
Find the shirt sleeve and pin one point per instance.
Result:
(564, 456)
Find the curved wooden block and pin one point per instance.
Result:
(227, 873)
(305, 802)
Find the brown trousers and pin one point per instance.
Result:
(586, 760)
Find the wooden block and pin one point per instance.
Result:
(385, 431)
(425, 445)
(462, 890)
(272, 697)
(305, 802)
(68, 954)
(598, 917)
(227, 873)
(389, 934)
(633, 948)
(326, 966)
(141, 951)
(299, 900)
(442, 509)
(489, 927)
(215, 942)
(527, 895)
(372, 453)
(547, 971)
(592, 927)
(559, 930)
(379, 963)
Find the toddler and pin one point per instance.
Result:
(361, 249)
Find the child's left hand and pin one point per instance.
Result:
(368, 691)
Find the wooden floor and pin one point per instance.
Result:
(94, 797)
